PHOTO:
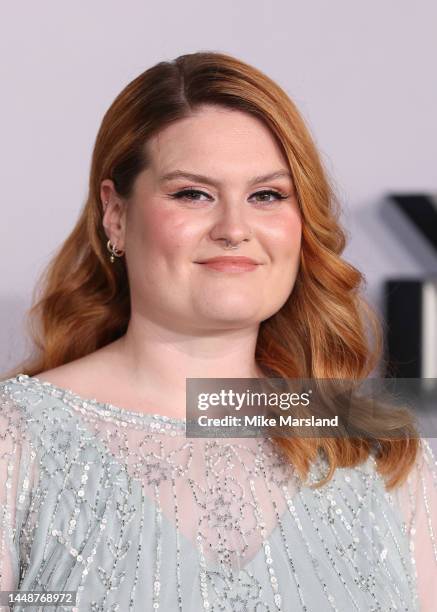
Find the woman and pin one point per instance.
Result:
(198, 158)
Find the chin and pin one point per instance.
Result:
(229, 307)
(232, 315)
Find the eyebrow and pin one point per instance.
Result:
(210, 181)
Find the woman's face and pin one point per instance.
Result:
(166, 233)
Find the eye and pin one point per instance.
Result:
(188, 194)
(270, 192)
(192, 194)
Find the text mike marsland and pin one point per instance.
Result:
(263, 421)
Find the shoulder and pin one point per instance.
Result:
(12, 411)
(30, 392)
(33, 410)
(72, 375)
(14, 435)
(87, 375)
(418, 493)
(424, 468)
(50, 427)
(416, 500)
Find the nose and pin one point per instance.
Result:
(232, 223)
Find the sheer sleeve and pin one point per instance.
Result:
(417, 498)
(16, 479)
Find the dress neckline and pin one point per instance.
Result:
(104, 409)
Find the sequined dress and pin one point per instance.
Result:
(125, 510)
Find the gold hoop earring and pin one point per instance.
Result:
(114, 251)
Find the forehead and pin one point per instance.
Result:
(216, 140)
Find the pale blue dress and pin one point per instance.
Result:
(124, 510)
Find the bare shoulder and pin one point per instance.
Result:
(81, 375)
(64, 375)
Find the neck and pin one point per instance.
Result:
(156, 359)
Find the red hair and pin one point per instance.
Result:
(322, 329)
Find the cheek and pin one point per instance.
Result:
(284, 235)
(164, 232)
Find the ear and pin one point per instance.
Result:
(114, 214)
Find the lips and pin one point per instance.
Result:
(229, 260)
(230, 264)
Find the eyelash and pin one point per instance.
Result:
(181, 194)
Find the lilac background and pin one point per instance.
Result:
(362, 74)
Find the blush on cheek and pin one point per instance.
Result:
(167, 232)
(154, 225)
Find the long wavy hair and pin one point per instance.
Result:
(325, 329)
